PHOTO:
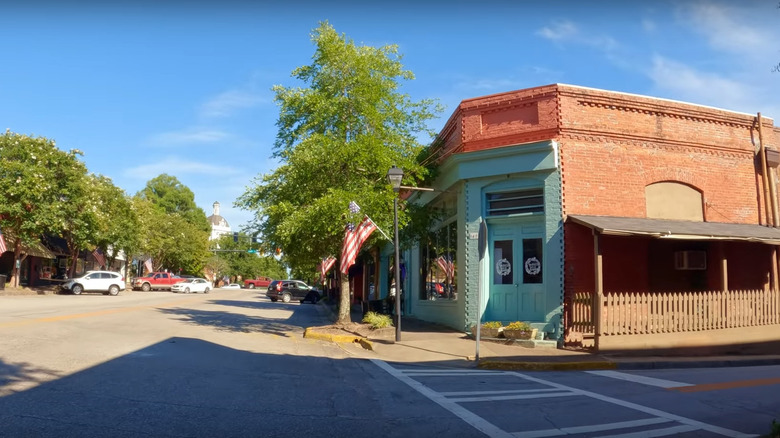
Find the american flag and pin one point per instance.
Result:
(353, 240)
(446, 265)
(3, 248)
(148, 265)
(325, 266)
(353, 207)
(99, 258)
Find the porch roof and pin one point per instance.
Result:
(36, 249)
(678, 229)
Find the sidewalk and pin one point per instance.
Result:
(423, 341)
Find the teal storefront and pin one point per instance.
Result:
(516, 191)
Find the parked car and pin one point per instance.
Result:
(110, 283)
(257, 282)
(192, 285)
(232, 286)
(288, 290)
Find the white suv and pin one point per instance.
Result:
(110, 283)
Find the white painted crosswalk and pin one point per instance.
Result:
(469, 405)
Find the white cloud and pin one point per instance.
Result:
(225, 104)
(727, 28)
(648, 25)
(567, 32)
(197, 135)
(689, 84)
(560, 31)
(177, 167)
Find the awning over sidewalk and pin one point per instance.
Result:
(675, 229)
(36, 249)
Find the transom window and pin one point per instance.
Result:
(521, 201)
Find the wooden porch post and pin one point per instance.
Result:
(598, 295)
(773, 283)
(724, 271)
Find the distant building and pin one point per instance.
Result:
(219, 226)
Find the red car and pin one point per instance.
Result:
(257, 282)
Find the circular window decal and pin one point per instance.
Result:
(533, 266)
(503, 267)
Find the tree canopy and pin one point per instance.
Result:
(38, 186)
(337, 137)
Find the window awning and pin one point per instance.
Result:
(677, 229)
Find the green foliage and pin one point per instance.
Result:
(117, 224)
(518, 325)
(43, 190)
(336, 140)
(237, 261)
(172, 197)
(775, 432)
(491, 324)
(377, 320)
(170, 240)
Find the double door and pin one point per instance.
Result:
(517, 263)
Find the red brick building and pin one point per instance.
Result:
(664, 225)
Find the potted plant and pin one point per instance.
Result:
(489, 329)
(519, 330)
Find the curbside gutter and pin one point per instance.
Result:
(344, 339)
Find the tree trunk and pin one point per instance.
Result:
(344, 316)
(74, 256)
(14, 270)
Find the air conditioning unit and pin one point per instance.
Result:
(690, 260)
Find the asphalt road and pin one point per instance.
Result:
(234, 364)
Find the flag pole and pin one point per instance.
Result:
(379, 229)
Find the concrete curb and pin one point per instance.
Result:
(344, 339)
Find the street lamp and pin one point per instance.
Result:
(395, 175)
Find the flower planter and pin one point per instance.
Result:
(486, 332)
(520, 334)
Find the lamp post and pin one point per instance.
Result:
(395, 175)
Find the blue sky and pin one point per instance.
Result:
(149, 87)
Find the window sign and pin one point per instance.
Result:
(503, 262)
(532, 260)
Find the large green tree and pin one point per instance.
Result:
(169, 239)
(38, 185)
(118, 225)
(239, 261)
(337, 138)
(168, 194)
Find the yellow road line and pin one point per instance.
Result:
(727, 385)
(91, 314)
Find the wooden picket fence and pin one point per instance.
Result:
(628, 313)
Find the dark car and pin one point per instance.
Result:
(288, 290)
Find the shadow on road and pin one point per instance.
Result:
(237, 322)
(13, 373)
(185, 387)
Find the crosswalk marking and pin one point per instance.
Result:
(590, 428)
(661, 383)
(452, 401)
(506, 391)
(512, 397)
(676, 430)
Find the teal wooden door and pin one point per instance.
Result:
(516, 273)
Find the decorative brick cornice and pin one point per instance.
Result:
(655, 143)
(509, 140)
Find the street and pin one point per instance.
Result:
(233, 364)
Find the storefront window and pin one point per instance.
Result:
(439, 264)
(532, 261)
